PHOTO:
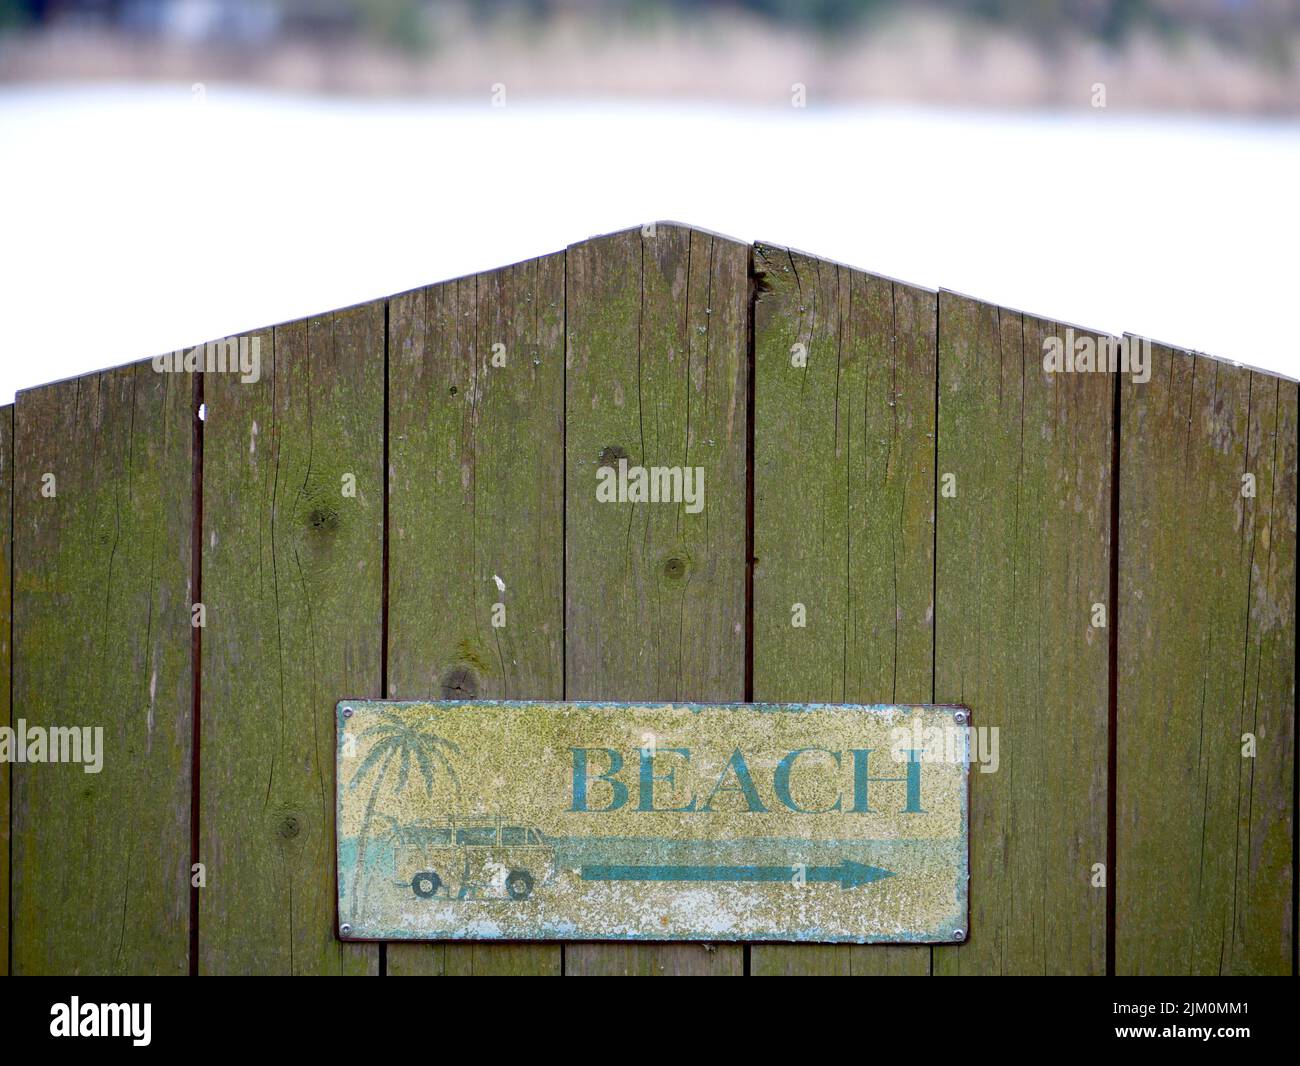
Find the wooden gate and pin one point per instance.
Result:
(1102, 567)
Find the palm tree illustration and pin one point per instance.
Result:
(406, 743)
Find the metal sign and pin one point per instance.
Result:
(611, 821)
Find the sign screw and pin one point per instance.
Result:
(347, 712)
(957, 934)
(345, 929)
(959, 717)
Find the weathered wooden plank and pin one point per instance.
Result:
(843, 512)
(102, 640)
(292, 586)
(1206, 657)
(1022, 573)
(655, 593)
(6, 558)
(1264, 929)
(476, 517)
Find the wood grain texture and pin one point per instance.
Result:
(476, 497)
(6, 558)
(292, 584)
(655, 596)
(102, 640)
(1022, 557)
(1206, 655)
(635, 345)
(843, 513)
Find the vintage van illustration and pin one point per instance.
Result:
(472, 857)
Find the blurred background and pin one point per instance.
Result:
(177, 170)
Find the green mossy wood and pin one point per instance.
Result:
(1206, 656)
(476, 517)
(655, 596)
(293, 590)
(843, 512)
(496, 401)
(6, 560)
(102, 639)
(1022, 563)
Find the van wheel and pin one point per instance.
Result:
(426, 884)
(519, 885)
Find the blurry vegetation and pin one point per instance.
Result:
(1240, 22)
(410, 24)
(1256, 38)
(13, 14)
(401, 23)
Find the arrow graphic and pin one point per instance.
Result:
(849, 874)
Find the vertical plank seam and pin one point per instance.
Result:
(1112, 681)
(9, 869)
(1295, 746)
(196, 656)
(564, 508)
(383, 597)
(934, 577)
(750, 387)
(750, 360)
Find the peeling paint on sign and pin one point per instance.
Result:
(492, 820)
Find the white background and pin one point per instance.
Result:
(141, 220)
